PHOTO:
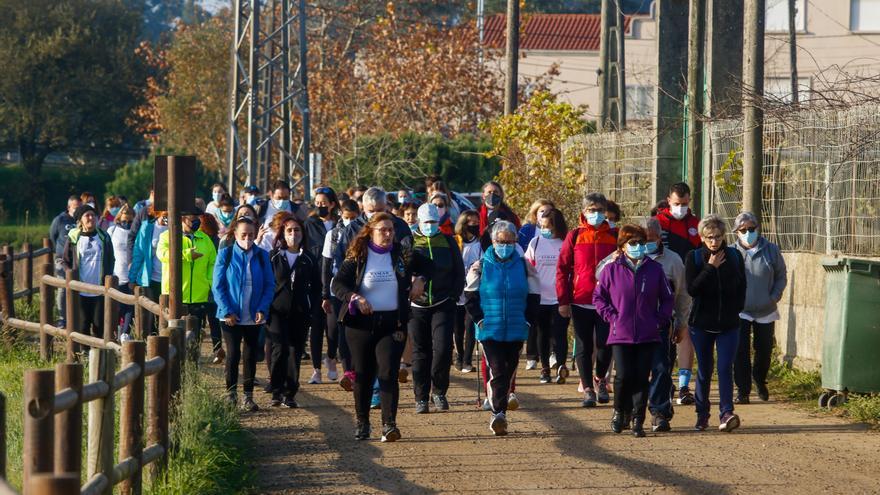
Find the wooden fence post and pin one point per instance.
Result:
(68, 424)
(28, 270)
(53, 484)
(7, 304)
(50, 256)
(111, 309)
(71, 304)
(47, 303)
(140, 323)
(2, 436)
(159, 402)
(163, 305)
(102, 417)
(174, 331)
(39, 427)
(131, 417)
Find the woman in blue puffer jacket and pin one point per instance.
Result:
(634, 297)
(243, 289)
(502, 295)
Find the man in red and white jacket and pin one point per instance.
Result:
(582, 251)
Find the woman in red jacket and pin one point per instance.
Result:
(583, 249)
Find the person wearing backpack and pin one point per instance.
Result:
(716, 280)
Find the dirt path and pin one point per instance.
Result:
(554, 445)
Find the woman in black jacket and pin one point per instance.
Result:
(373, 284)
(297, 292)
(716, 280)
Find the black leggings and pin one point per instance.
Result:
(464, 338)
(587, 324)
(431, 332)
(552, 327)
(232, 338)
(316, 337)
(631, 384)
(91, 315)
(759, 335)
(287, 338)
(336, 331)
(375, 352)
(502, 359)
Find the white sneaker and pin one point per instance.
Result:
(531, 364)
(580, 387)
(498, 424)
(467, 369)
(512, 402)
(332, 374)
(553, 360)
(124, 337)
(316, 377)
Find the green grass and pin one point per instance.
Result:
(16, 235)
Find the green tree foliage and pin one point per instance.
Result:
(529, 144)
(70, 75)
(135, 179)
(58, 184)
(394, 162)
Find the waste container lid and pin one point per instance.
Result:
(852, 265)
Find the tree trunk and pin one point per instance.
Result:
(32, 157)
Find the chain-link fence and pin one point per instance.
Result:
(821, 179)
(618, 165)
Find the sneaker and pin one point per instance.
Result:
(231, 399)
(638, 427)
(512, 402)
(487, 406)
(267, 387)
(589, 399)
(332, 373)
(553, 361)
(390, 433)
(602, 392)
(290, 403)
(617, 422)
(741, 399)
(545, 376)
(729, 422)
(498, 424)
(124, 337)
(375, 402)
(467, 368)
(347, 381)
(659, 423)
(531, 364)
(685, 397)
(702, 423)
(316, 377)
(248, 404)
(362, 431)
(403, 374)
(276, 400)
(763, 391)
(441, 403)
(581, 388)
(561, 374)
(422, 407)
(219, 356)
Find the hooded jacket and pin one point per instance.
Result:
(196, 274)
(584, 248)
(295, 298)
(719, 293)
(445, 273)
(636, 303)
(315, 232)
(70, 258)
(142, 254)
(766, 278)
(681, 236)
(229, 277)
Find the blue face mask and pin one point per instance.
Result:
(749, 238)
(636, 252)
(414, 228)
(281, 204)
(611, 224)
(546, 233)
(504, 251)
(251, 200)
(595, 218)
(114, 210)
(216, 196)
(429, 229)
(652, 247)
(225, 218)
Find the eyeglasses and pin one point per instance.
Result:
(749, 229)
(635, 242)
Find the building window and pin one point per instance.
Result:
(778, 89)
(864, 15)
(639, 102)
(776, 19)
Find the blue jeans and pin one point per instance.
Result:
(726, 344)
(660, 402)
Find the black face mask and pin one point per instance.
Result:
(323, 211)
(493, 200)
(195, 224)
(473, 230)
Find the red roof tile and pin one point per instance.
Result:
(549, 31)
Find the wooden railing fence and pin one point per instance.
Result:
(148, 378)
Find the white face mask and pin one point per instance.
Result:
(245, 245)
(346, 222)
(678, 211)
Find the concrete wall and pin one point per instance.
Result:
(801, 326)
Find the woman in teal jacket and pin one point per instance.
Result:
(146, 268)
(243, 289)
(502, 295)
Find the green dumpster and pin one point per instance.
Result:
(851, 344)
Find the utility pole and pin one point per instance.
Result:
(753, 114)
(612, 80)
(792, 50)
(510, 89)
(694, 124)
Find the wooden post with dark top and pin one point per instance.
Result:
(47, 303)
(159, 399)
(39, 427)
(131, 416)
(111, 308)
(70, 317)
(7, 305)
(102, 417)
(68, 424)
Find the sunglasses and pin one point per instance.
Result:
(750, 229)
(323, 190)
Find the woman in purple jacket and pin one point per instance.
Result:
(634, 297)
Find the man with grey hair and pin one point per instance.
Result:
(374, 201)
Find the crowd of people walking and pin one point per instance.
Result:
(419, 282)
